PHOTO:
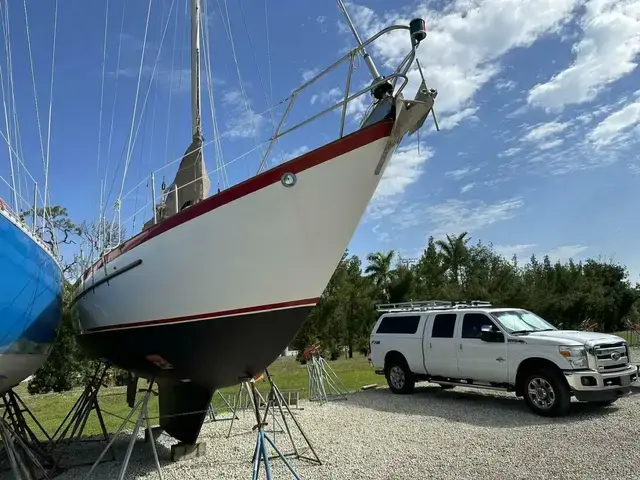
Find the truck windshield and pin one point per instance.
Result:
(516, 321)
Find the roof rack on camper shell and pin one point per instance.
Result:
(427, 305)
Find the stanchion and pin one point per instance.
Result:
(324, 384)
(212, 411)
(143, 414)
(16, 450)
(22, 444)
(261, 456)
(73, 425)
(276, 400)
(245, 388)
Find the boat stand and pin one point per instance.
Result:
(212, 412)
(244, 388)
(27, 455)
(324, 384)
(72, 427)
(261, 454)
(276, 403)
(141, 407)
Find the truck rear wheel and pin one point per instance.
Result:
(547, 394)
(399, 377)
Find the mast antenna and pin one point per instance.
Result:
(382, 89)
(195, 69)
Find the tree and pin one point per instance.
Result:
(454, 250)
(380, 270)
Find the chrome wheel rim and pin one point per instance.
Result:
(541, 393)
(396, 377)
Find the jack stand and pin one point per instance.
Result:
(275, 399)
(22, 469)
(142, 405)
(76, 419)
(260, 453)
(324, 384)
(244, 386)
(16, 429)
(212, 412)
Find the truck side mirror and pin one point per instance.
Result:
(488, 334)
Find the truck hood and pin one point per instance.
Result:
(574, 336)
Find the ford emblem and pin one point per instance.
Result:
(615, 356)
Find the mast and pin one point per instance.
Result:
(367, 59)
(195, 69)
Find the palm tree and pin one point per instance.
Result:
(455, 251)
(379, 269)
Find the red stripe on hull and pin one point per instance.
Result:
(203, 316)
(316, 157)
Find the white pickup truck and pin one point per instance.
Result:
(472, 344)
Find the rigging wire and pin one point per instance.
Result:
(46, 168)
(104, 62)
(171, 84)
(35, 99)
(6, 121)
(217, 144)
(135, 103)
(113, 114)
(243, 92)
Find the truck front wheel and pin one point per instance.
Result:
(547, 394)
(399, 377)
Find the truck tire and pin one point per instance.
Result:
(399, 377)
(547, 393)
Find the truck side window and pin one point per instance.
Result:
(399, 324)
(443, 325)
(472, 324)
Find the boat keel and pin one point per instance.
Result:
(183, 409)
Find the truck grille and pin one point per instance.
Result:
(611, 357)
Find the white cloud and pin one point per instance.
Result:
(634, 169)
(510, 152)
(330, 97)
(405, 168)
(551, 144)
(509, 251)
(456, 216)
(286, 156)
(462, 172)
(308, 74)
(606, 52)
(467, 187)
(564, 252)
(617, 126)
(455, 119)
(243, 121)
(504, 84)
(544, 130)
(463, 44)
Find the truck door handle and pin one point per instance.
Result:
(460, 346)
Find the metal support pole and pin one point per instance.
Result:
(153, 197)
(175, 191)
(35, 206)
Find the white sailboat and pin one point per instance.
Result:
(215, 287)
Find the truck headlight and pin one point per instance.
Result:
(576, 356)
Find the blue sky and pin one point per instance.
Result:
(539, 109)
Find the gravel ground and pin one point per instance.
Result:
(435, 434)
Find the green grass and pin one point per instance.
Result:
(289, 375)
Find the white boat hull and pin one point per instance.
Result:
(221, 295)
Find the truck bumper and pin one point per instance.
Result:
(593, 386)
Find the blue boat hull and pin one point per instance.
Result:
(31, 285)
